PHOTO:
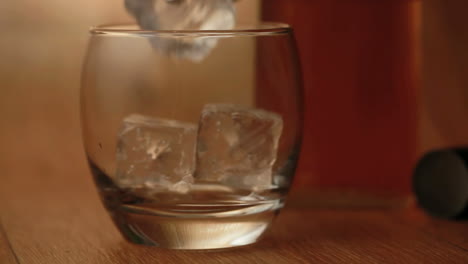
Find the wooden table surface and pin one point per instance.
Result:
(50, 213)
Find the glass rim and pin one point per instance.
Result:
(258, 29)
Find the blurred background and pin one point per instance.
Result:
(41, 52)
(42, 45)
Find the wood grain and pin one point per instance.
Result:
(454, 232)
(52, 214)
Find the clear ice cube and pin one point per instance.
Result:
(156, 154)
(237, 146)
(183, 15)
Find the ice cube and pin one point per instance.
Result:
(237, 146)
(156, 154)
(183, 15)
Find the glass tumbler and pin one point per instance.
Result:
(192, 137)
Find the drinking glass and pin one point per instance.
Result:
(192, 136)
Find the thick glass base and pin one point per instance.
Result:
(195, 226)
(210, 216)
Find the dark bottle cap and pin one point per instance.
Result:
(440, 183)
